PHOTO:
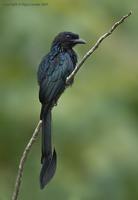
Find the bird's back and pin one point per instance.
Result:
(52, 74)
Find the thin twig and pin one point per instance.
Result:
(91, 51)
(22, 161)
(72, 75)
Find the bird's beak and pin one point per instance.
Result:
(79, 41)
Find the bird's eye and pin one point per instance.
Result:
(68, 36)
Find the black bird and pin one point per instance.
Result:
(53, 70)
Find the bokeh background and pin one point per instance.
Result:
(95, 125)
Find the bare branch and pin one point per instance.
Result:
(91, 51)
(22, 161)
(36, 131)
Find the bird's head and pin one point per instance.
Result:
(67, 40)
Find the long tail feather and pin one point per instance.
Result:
(48, 170)
(49, 158)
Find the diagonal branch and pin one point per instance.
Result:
(91, 51)
(36, 131)
(22, 161)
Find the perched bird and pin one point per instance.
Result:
(53, 70)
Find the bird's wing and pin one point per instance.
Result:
(43, 68)
(54, 74)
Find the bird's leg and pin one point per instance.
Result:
(69, 83)
(54, 103)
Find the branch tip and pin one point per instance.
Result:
(97, 44)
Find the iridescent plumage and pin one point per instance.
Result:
(53, 70)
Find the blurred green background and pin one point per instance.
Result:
(95, 125)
